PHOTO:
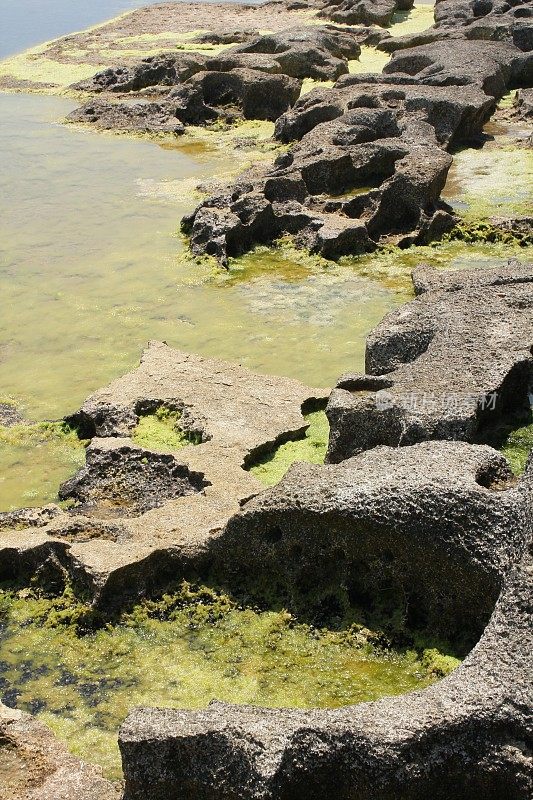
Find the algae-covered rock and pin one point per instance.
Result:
(463, 737)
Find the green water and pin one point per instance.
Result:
(34, 461)
(205, 648)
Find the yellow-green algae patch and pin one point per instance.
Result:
(311, 448)
(517, 446)
(370, 60)
(417, 19)
(494, 180)
(34, 461)
(161, 431)
(182, 652)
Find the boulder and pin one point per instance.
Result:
(364, 12)
(367, 155)
(455, 363)
(308, 52)
(494, 66)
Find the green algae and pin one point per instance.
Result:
(161, 431)
(182, 652)
(311, 448)
(494, 180)
(517, 446)
(34, 461)
(473, 231)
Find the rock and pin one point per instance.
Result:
(377, 531)
(368, 155)
(139, 118)
(10, 415)
(34, 765)
(454, 364)
(307, 52)
(524, 104)
(142, 517)
(434, 505)
(118, 480)
(163, 70)
(494, 66)
(206, 97)
(364, 12)
(255, 95)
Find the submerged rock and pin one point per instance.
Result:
(34, 765)
(455, 363)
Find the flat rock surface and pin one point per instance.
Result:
(140, 516)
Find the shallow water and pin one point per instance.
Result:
(84, 686)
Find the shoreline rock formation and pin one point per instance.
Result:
(455, 363)
(139, 517)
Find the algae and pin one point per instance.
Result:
(161, 431)
(312, 448)
(182, 651)
(517, 446)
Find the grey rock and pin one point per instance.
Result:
(365, 12)
(10, 415)
(494, 66)
(455, 363)
(369, 156)
(434, 505)
(161, 71)
(142, 517)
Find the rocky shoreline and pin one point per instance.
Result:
(416, 512)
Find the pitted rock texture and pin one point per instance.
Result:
(484, 20)
(161, 71)
(35, 766)
(414, 531)
(142, 517)
(494, 66)
(364, 12)
(127, 481)
(311, 52)
(453, 364)
(469, 735)
(259, 79)
(10, 415)
(206, 97)
(369, 162)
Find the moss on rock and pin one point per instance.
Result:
(311, 448)
(161, 431)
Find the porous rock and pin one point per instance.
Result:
(455, 363)
(140, 517)
(34, 765)
(370, 162)
(468, 735)
(162, 71)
